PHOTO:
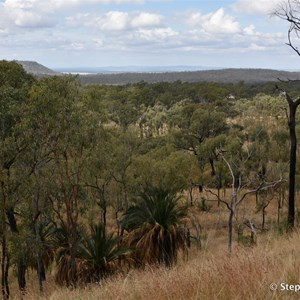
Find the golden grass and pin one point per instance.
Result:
(209, 274)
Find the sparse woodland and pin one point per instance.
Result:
(102, 187)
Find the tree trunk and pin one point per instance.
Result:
(5, 257)
(103, 207)
(280, 203)
(219, 186)
(292, 173)
(41, 272)
(190, 189)
(104, 219)
(263, 217)
(73, 252)
(21, 266)
(4, 270)
(21, 275)
(6, 275)
(212, 166)
(230, 230)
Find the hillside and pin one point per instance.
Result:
(129, 192)
(219, 76)
(257, 273)
(35, 68)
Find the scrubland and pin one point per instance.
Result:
(209, 272)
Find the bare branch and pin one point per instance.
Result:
(261, 187)
(220, 199)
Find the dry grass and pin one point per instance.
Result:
(209, 273)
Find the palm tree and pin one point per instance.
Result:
(153, 225)
(100, 255)
(67, 268)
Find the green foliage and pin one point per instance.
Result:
(154, 226)
(65, 147)
(13, 75)
(164, 167)
(65, 263)
(101, 255)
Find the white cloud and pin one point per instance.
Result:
(43, 13)
(156, 33)
(256, 47)
(146, 19)
(153, 32)
(76, 46)
(216, 22)
(250, 30)
(26, 14)
(59, 4)
(115, 20)
(98, 43)
(256, 6)
(77, 28)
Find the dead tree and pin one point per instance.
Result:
(238, 196)
(289, 11)
(293, 104)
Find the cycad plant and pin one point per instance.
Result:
(100, 255)
(154, 226)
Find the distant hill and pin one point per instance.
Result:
(35, 68)
(172, 74)
(132, 69)
(220, 76)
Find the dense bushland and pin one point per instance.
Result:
(97, 180)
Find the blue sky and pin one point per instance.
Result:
(95, 33)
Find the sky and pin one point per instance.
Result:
(99, 33)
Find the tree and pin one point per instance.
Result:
(290, 11)
(68, 136)
(293, 105)
(244, 182)
(193, 125)
(165, 168)
(14, 86)
(154, 226)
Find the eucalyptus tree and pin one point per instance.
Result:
(164, 167)
(45, 121)
(69, 134)
(14, 86)
(125, 145)
(210, 149)
(195, 124)
(99, 175)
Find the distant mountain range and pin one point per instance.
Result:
(131, 69)
(133, 74)
(220, 76)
